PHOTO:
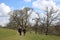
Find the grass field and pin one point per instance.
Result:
(8, 34)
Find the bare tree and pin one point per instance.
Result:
(51, 16)
(20, 17)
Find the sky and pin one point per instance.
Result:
(8, 5)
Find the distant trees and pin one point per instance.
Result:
(45, 24)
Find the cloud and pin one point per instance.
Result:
(42, 4)
(32, 16)
(27, 0)
(4, 21)
(4, 10)
(57, 0)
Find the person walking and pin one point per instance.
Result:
(24, 31)
(20, 30)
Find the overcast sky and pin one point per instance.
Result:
(7, 5)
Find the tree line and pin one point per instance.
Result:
(42, 25)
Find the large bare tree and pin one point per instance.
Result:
(50, 17)
(20, 17)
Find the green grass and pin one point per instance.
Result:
(8, 34)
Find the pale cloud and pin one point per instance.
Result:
(4, 17)
(56, 0)
(27, 0)
(4, 21)
(5, 8)
(32, 16)
(42, 4)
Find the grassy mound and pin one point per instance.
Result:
(8, 34)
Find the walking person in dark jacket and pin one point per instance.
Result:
(20, 30)
(24, 31)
